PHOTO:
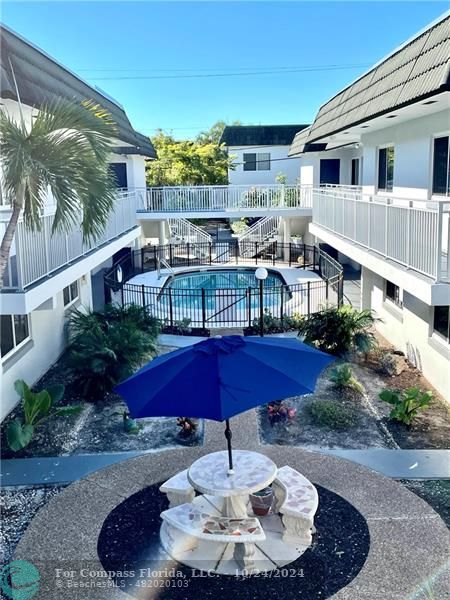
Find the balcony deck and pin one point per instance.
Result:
(226, 201)
(411, 233)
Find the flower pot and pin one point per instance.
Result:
(262, 501)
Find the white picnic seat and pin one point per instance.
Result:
(178, 489)
(297, 501)
(199, 525)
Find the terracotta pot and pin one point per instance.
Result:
(262, 501)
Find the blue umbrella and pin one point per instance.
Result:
(223, 376)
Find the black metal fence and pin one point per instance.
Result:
(205, 307)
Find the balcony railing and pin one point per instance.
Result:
(39, 254)
(413, 233)
(227, 198)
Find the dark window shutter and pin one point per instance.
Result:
(441, 166)
(250, 162)
(119, 170)
(382, 168)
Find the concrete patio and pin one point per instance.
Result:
(404, 554)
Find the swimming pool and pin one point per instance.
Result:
(216, 290)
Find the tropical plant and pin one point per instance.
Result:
(328, 413)
(342, 378)
(406, 403)
(65, 148)
(340, 330)
(275, 324)
(37, 407)
(107, 347)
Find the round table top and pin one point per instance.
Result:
(252, 472)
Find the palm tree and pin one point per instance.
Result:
(65, 150)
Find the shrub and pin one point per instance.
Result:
(37, 407)
(240, 226)
(331, 414)
(276, 325)
(107, 347)
(406, 403)
(343, 378)
(340, 330)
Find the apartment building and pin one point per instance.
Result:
(378, 157)
(260, 153)
(48, 275)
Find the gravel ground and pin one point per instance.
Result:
(372, 427)
(98, 428)
(435, 492)
(18, 506)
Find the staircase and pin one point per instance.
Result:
(183, 231)
(264, 231)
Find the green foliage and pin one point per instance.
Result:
(66, 148)
(37, 406)
(186, 162)
(339, 330)
(342, 378)
(239, 226)
(406, 403)
(276, 325)
(107, 347)
(328, 413)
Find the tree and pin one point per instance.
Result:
(186, 162)
(64, 149)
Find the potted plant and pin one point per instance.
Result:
(261, 501)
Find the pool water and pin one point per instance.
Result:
(222, 289)
(223, 280)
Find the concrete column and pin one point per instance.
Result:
(367, 281)
(286, 227)
(162, 233)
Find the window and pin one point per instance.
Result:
(257, 162)
(441, 324)
(441, 166)
(329, 171)
(70, 293)
(393, 293)
(14, 330)
(119, 172)
(263, 161)
(386, 169)
(355, 171)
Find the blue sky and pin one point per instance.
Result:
(161, 40)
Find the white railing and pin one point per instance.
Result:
(414, 233)
(38, 254)
(264, 230)
(183, 231)
(220, 198)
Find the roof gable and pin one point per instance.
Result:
(39, 78)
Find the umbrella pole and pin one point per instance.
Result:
(229, 435)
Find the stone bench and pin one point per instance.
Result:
(178, 489)
(297, 501)
(199, 525)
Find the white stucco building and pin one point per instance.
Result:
(378, 157)
(260, 153)
(47, 275)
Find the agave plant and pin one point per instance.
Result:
(342, 378)
(340, 330)
(37, 407)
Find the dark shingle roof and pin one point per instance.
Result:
(259, 135)
(39, 78)
(416, 71)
